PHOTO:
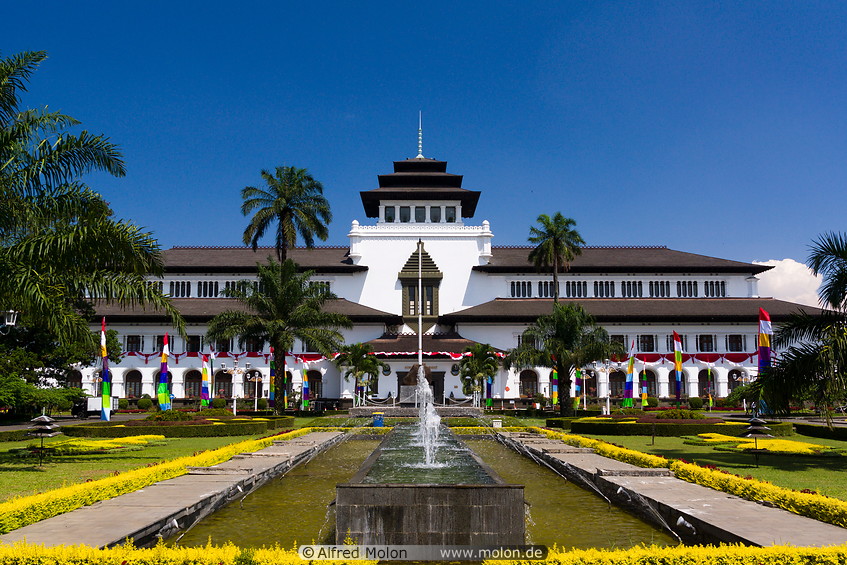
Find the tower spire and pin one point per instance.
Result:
(420, 136)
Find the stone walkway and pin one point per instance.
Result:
(161, 509)
(695, 513)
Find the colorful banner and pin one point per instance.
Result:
(578, 384)
(630, 378)
(305, 389)
(163, 394)
(677, 366)
(644, 386)
(709, 385)
(489, 402)
(204, 387)
(272, 387)
(765, 334)
(554, 387)
(212, 358)
(106, 408)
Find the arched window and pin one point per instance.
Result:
(74, 379)
(132, 384)
(252, 387)
(316, 384)
(648, 379)
(193, 383)
(223, 384)
(736, 379)
(616, 383)
(529, 384)
(705, 383)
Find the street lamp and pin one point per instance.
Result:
(10, 318)
(255, 377)
(236, 372)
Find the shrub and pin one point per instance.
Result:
(262, 404)
(123, 404)
(652, 402)
(169, 416)
(681, 414)
(813, 430)
(219, 403)
(695, 403)
(145, 403)
(221, 413)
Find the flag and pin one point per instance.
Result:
(709, 381)
(305, 389)
(677, 366)
(554, 387)
(765, 333)
(488, 400)
(106, 408)
(272, 387)
(204, 390)
(577, 388)
(630, 378)
(212, 371)
(163, 394)
(644, 386)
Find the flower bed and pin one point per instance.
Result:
(633, 426)
(781, 446)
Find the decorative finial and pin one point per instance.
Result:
(420, 136)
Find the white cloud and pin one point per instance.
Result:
(789, 280)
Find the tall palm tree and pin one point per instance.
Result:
(564, 340)
(60, 247)
(476, 368)
(294, 201)
(814, 365)
(557, 244)
(280, 308)
(358, 360)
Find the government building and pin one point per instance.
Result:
(473, 291)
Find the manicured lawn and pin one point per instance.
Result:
(20, 477)
(821, 474)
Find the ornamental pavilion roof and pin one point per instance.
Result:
(420, 179)
(657, 259)
(627, 310)
(203, 309)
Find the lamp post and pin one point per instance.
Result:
(256, 378)
(10, 318)
(236, 372)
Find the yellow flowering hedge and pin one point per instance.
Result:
(79, 446)
(24, 554)
(19, 512)
(608, 450)
(775, 445)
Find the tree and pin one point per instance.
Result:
(564, 340)
(60, 247)
(557, 244)
(476, 368)
(360, 363)
(294, 201)
(281, 306)
(814, 365)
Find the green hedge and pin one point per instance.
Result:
(279, 422)
(242, 428)
(813, 430)
(14, 435)
(613, 428)
(563, 423)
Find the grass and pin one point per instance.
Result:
(21, 477)
(824, 475)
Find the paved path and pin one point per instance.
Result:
(694, 512)
(161, 509)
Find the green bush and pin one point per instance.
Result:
(169, 416)
(813, 430)
(219, 403)
(144, 403)
(14, 435)
(221, 413)
(262, 404)
(695, 403)
(123, 404)
(652, 402)
(201, 430)
(563, 423)
(678, 414)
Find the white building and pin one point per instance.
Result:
(474, 291)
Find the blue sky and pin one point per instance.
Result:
(717, 128)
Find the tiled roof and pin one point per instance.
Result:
(243, 259)
(620, 260)
(406, 343)
(629, 310)
(203, 309)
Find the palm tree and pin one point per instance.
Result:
(814, 365)
(476, 368)
(564, 340)
(60, 247)
(557, 244)
(360, 363)
(281, 307)
(294, 201)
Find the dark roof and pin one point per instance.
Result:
(244, 259)
(626, 310)
(620, 260)
(420, 179)
(203, 309)
(408, 343)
